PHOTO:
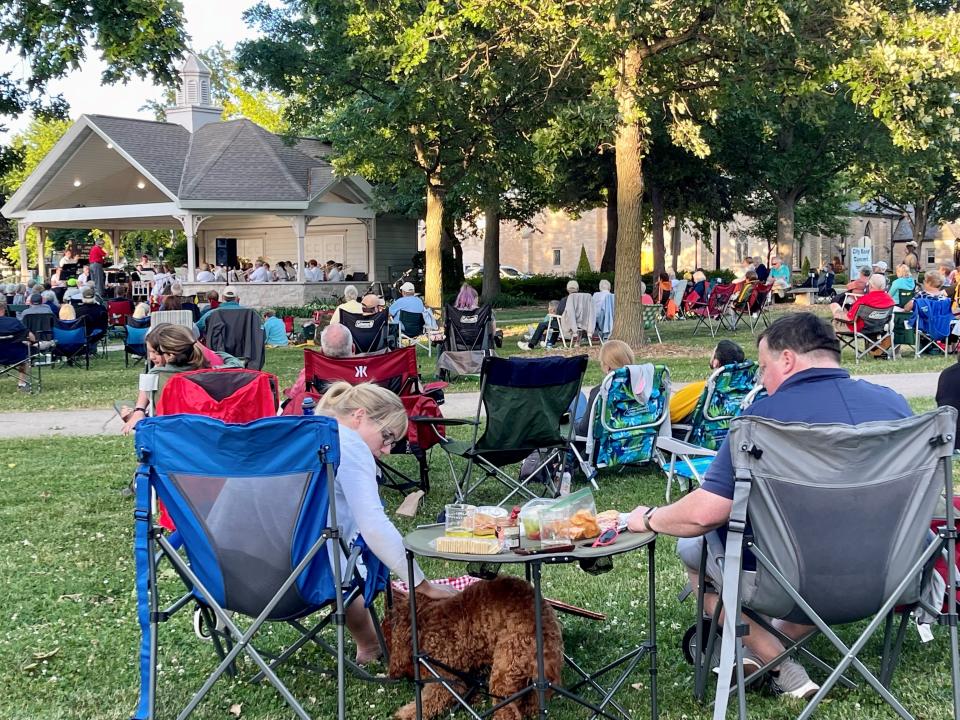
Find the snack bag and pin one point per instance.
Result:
(571, 518)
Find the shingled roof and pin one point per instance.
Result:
(232, 160)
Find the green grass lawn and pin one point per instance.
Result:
(69, 636)
(683, 352)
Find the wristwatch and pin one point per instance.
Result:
(646, 518)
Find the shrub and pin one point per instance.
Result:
(805, 268)
(583, 266)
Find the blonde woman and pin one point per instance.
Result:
(614, 354)
(371, 420)
(903, 283)
(67, 312)
(141, 311)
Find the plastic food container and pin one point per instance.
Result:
(459, 520)
(569, 519)
(530, 517)
(486, 518)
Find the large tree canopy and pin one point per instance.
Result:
(53, 37)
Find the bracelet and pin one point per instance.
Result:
(139, 409)
(647, 517)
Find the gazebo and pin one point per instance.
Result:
(227, 184)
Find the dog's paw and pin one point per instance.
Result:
(407, 712)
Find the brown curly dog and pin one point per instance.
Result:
(489, 626)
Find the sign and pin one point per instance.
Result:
(860, 257)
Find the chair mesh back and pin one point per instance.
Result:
(525, 398)
(841, 510)
(248, 501)
(468, 329)
(369, 332)
(625, 429)
(412, 323)
(720, 402)
(40, 324)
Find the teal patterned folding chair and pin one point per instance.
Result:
(694, 445)
(624, 424)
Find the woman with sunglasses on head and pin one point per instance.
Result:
(371, 419)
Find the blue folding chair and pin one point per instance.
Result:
(257, 536)
(71, 341)
(931, 321)
(135, 342)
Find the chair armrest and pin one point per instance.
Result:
(437, 385)
(679, 447)
(685, 427)
(425, 420)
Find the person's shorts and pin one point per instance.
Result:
(689, 550)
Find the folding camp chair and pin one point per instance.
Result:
(931, 322)
(757, 310)
(713, 313)
(468, 339)
(257, 527)
(413, 330)
(623, 427)
(118, 310)
(135, 339)
(825, 287)
(869, 330)
(15, 356)
(237, 332)
(70, 338)
(604, 316)
(396, 371)
(830, 551)
(694, 444)
(183, 318)
(370, 333)
(651, 316)
(524, 400)
(40, 325)
(579, 318)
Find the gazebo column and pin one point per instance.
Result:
(22, 227)
(371, 227)
(41, 255)
(299, 224)
(191, 225)
(115, 244)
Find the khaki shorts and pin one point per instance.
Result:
(689, 550)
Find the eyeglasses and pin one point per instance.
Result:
(607, 537)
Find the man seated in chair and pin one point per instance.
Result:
(799, 357)
(875, 297)
(409, 302)
(684, 401)
(336, 341)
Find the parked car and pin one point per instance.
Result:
(506, 271)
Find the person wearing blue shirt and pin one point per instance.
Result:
(779, 275)
(274, 329)
(230, 302)
(799, 357)
(409, 302)
(903, 283)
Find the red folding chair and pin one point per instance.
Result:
(397, 371)
(713, 313)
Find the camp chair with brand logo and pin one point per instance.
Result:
(623, 425)
(370, 333)
(413, 330)
(830, 550)
(396, 371)
(713, 312)
(688, 454)
(870, 333)
(71, 345)
(257, 524)
(524, 400)
(931, 323)
(468, 339)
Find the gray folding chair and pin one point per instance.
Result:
(838, 537)
(876, 325)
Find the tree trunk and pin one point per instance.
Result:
(785, 225)
(491, 253)
(432, 273)
(675, 243)
(609, 261)
(628, 324)
(659, 246)
(920, 218)
(451, 258)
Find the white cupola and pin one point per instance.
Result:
(194, 107)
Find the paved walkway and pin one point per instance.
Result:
(458, 405)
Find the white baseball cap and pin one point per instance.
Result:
(407, 287)
(880, 265)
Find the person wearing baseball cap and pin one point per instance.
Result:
(880, 267)
(910, 258)
(409, 302)
(229, 300)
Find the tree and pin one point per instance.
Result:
(408, 95)
(141, 38)
(31, 146)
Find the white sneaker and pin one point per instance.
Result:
(751, 663)
(792, 681)
(523, 346)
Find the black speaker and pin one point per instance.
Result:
(227, 252)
